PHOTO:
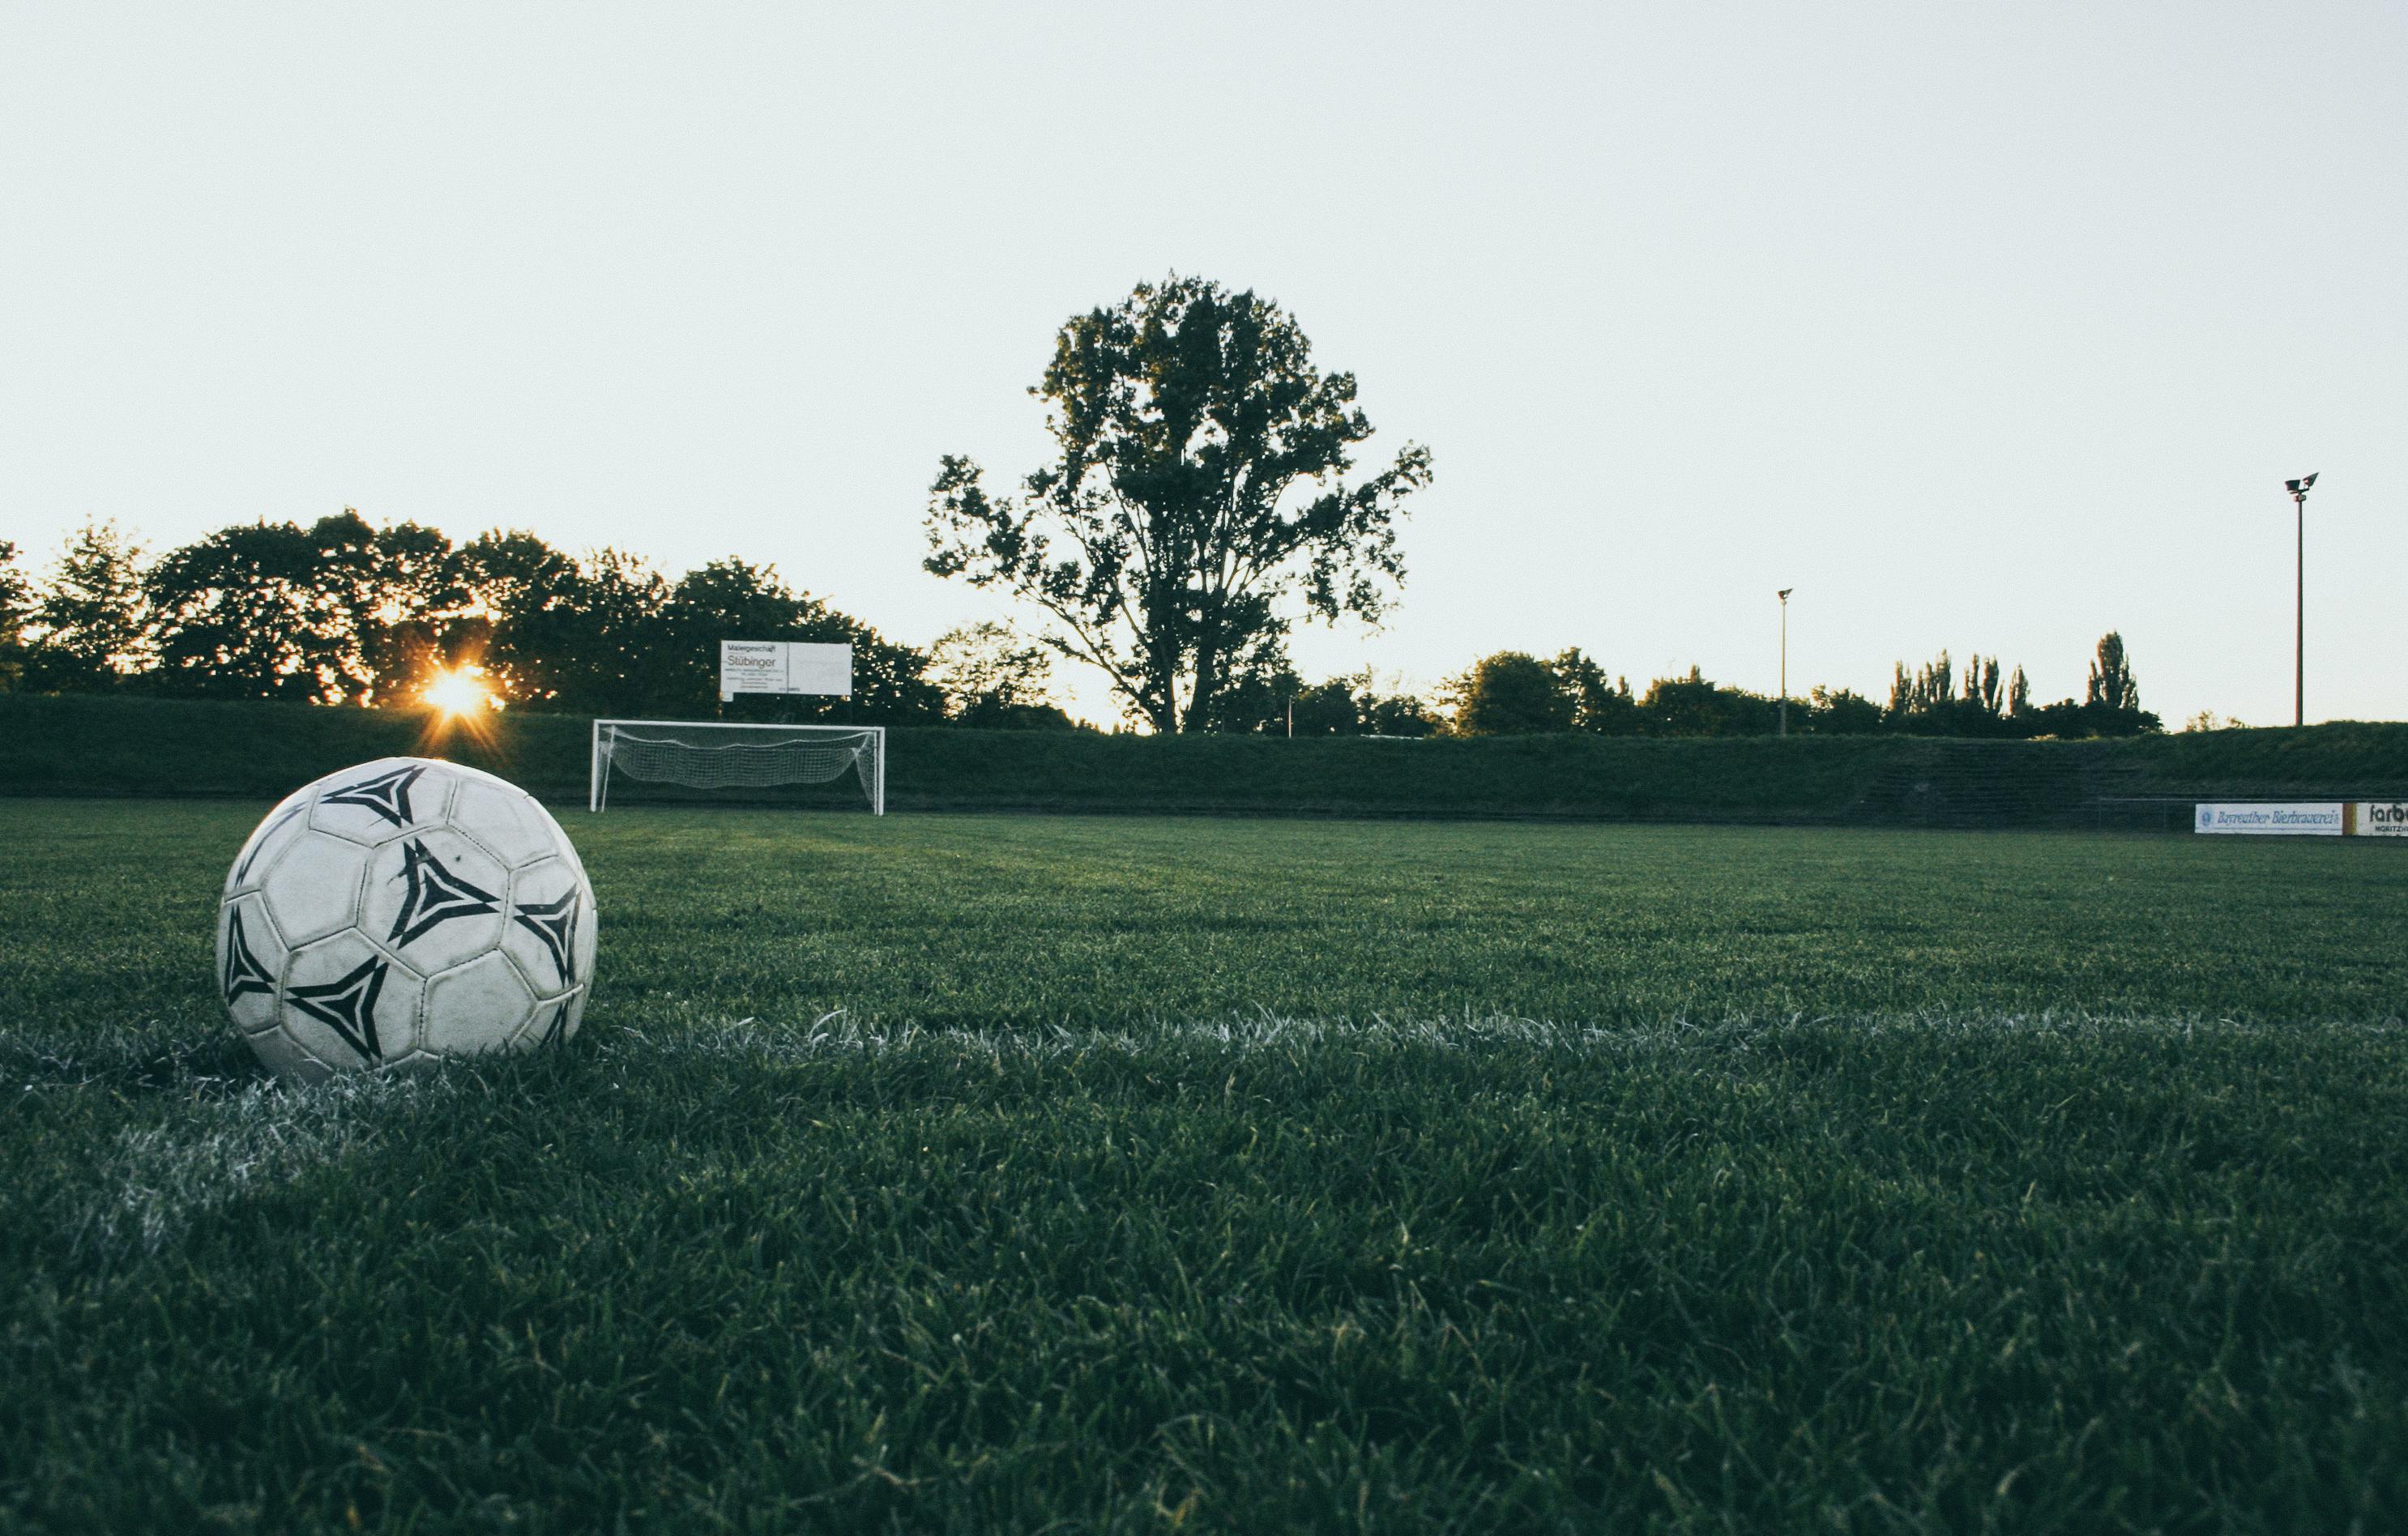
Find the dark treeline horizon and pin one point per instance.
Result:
(344, 612)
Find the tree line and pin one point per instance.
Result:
(1514, 694)
(1201, 502)
(345, 612)
(342, 611)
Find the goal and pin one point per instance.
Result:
(711, 755)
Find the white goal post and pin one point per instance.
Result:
(717, 754)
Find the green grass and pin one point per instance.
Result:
(975, 1173)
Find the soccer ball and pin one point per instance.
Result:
(402, 912)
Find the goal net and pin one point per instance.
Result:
(708, 755)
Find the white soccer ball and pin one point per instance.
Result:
(402, 912)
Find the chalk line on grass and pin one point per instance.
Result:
(156, 1180)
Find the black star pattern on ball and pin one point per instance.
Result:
(347, 1004)
(554, 922)
(435, 895)
(387, 794)
(243, 971)
(559, 1021)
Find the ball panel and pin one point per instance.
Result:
(555, 1021)
(478, 1007)
(434, 899)
(313, 886)
(581, 952)
(251, 957)
(548, 900)
(390, 798)
(289, 820)
(348, 1004)
(504, 822)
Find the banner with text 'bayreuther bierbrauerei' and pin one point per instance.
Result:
(2268, 818)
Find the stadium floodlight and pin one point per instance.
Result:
(718, 754)
(2298, 488)
(1784, 595)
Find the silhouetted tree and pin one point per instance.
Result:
(1838, 711)
(1199, 497)
(995, 680)
(2112, 683)
(242, 614)
(1599, 703)
(2112, 705)
(1694, 705)
(522, 601)
(16, 609)
(1511, 692)
(1399, 714)
(1332, 707)
(91, 619)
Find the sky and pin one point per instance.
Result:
(1985, 327)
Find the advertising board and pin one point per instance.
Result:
(2274, 818)
(783, 667)
(2381, 818)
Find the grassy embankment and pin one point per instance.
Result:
(157, 746)
(1239, 1176)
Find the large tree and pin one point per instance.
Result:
(1201, 493)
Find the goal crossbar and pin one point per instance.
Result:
(721, 755)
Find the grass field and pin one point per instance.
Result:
(975, 1173)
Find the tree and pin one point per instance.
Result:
(1599, 704)
(242, 614)
(412, 613)
(1254, 690)
(16, 607)
(996, 679)
(1399, 714)
(1511, 692)
(1695, 706)
(2112, 683)
(2112, 703)
(1842, 711)
(91, 621)
(521, 595)
(1332, 707)
(1984, 688)
(1199, 496)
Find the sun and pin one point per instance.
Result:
(457, 692)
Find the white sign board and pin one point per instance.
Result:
(2382, 819)
(2269, 818)
(783, 667)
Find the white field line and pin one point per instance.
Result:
(156, 1181)
(837, 1034)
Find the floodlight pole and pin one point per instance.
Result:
(2298, 488)
(1784, 595)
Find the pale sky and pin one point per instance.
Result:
(1983, 327)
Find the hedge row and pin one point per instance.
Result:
(150, 746)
